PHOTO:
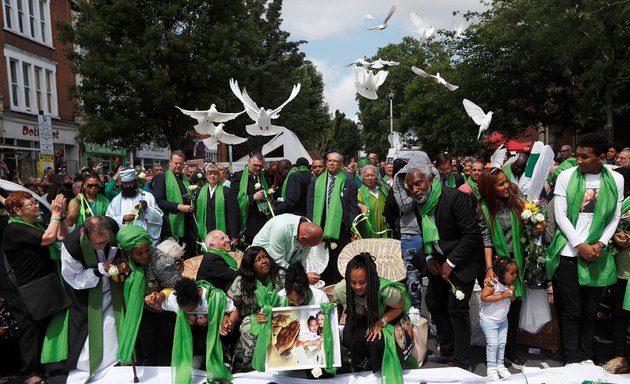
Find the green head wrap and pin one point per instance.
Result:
(131, 236)
(363, 162)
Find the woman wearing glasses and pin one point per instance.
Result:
(30, 251)
(88, 202)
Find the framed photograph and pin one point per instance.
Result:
(297, 340)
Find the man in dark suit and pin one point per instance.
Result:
(449, 179)
(244, 198)
(169, 190)
(332, 204)
(296, 190)
(454, 252)
(213, 205)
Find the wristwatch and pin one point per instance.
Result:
(384, 322)
(602, 246)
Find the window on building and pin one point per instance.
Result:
(32, 23)
(20, 14)
(43, 21)
(7, 13)
(29, 18)
(33, 86)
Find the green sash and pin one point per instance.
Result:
(85, 210)
(181, 361)
(226, 256)
(625, 206)
(243, 198)
(174, 195)
(501, 247)
(266, 299)
(451, 180)
(568, 163)
(219, 210)
(134, 290)
(335, 210)
(426, 210)
(365, 198)
(507, 170)
(474, 187)
(328, 338)
(601, 272)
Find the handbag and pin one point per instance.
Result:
(42, 297)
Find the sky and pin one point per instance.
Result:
(336, 35)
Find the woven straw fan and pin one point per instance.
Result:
(386, 252)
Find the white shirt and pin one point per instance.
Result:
(151, 219)
(578, 234)
(170, 304)
(79, 277)
(495, 312)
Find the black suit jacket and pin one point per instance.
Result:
(255, 218)
(216, 271)
(211, 221)
(349, 202)
(159, 192)
(459, 180)
(296, 196)
(460, 236)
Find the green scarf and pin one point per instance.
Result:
(85, 210)
(174, 195)
(55, 346)
(391, 369)
(568, 163)
(243, 197)
(335, 210)
(328, 338)
(474, 187)
(426, 210)
(601, 272)
(625, 206)
(301, 168)
(181, 361)
(226, 256)
(501, 247)
(134, 290)
(451, 180)
(370, 223)
(266, 299)
(219, 210)
(507, 170)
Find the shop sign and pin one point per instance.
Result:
(45, 135)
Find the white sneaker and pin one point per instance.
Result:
(587, 362)
(503, 371)
(492, 374)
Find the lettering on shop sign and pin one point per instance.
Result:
(34, 132)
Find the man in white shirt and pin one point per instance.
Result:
(587, 210)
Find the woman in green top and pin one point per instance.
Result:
(88, 202)
(371, 198)
(372, 305)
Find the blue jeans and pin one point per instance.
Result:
(410, 245)
(496, 338)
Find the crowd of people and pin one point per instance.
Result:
(182, 267)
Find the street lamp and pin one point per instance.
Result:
(390, 97)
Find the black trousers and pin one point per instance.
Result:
(621, 317)
(364, 355)
(331, 274)
(451, 317)
(155, 338)
(577, 309)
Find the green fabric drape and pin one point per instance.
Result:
(174, 195)
(243, 197)
(426, 210)
(600, 272)
(375, 225)
(95, 309)
(329, 348)
(625, 206)
(226, 256)
(219, 210)
(334, 213)
(474, 187)
(134, 290)
(266, 299)
(451, 181)
(85, 210)
(501, 247)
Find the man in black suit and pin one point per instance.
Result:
(244, 198)
(296, 190)
(332, 204)
(453, 252)
(449, 179)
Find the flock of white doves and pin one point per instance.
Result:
(366, 83)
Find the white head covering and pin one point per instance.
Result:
(127, 175)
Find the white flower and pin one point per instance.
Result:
(316, 372)
(539, 217)
(192, 187)
(136, 212)
(270, 191)
(113, 270)
(142, 175)
(526, 214)
(459, 295)
(333, 245)
(257, 185)
(200, 175)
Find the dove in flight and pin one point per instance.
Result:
(261, 116)
(380, 26)
(498, 157)
(459, 31)
(218, 134)
(211, 115)
(437, 78)
(421, 27)
(477, 114)
(367, 83)
(377, 64)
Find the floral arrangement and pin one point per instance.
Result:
(534, 257)
(141, 175)
(264, 205)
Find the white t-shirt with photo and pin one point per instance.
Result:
(578, 234)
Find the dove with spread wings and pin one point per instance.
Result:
(206, 126)
(261, 116)
(382, 26)
(437, 78)
(367, 83)
(377, 64)
(421, 27)
(477, 114)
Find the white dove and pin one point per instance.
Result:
(421, 27)
(211, 115)
(261, 116)
(498, 157)
(459, 31)
(367, 83)
(478, 115)
(438, 79)
(218, 134)
(377, 64)
(380, 26)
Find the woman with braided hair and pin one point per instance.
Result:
(372, 305)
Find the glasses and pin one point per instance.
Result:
(91, 185)
(32, 203)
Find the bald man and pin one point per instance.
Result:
(515, 170)
(217, 266)
(288, 239)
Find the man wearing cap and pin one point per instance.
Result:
(136, 207)
(294, 189)
(212, 206)
(152, 272)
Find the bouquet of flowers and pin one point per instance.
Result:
(142, 176)
(138, 212)
(534, 257)
(264, 205)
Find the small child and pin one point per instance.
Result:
(311, 342)
(495, 305)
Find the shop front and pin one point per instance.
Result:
(111, 158)
(151, 155)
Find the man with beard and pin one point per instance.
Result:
(135, 206)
